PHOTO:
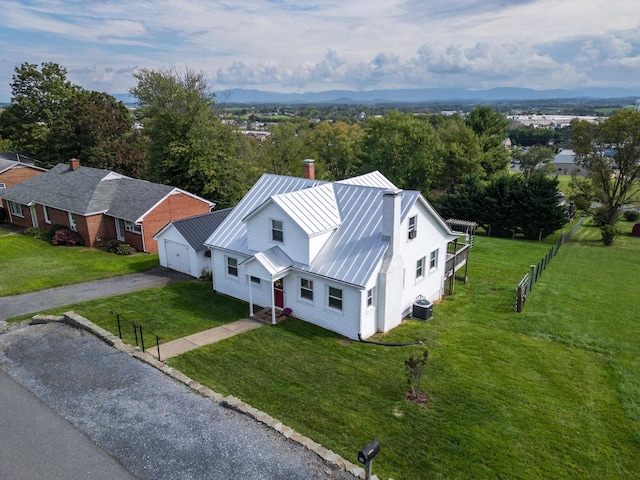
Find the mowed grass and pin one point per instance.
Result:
(29, 265)
(549, 393)
(170, 312)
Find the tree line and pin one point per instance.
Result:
(185, 143)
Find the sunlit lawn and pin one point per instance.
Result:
(170, 312)
(28, 264)
(549, 393)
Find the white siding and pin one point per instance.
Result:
(345, 322)
(316, 243)
(191, 265)
(295, 241)
(429, 238)
(223, 282)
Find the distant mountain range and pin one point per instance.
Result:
(420, 95)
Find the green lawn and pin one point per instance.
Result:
(549, 393)
(552, 392)
(170, 312)
(28, 264)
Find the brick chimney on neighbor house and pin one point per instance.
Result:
(309, 169)
(74, 163)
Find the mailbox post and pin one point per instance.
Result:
(367, 454)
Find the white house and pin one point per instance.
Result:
(181, 242)
(350, 256)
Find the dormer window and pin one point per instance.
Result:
(413, 227)
(277, 232)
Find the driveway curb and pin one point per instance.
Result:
(77, 321)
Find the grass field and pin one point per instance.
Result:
(170, 312)
(553, 392)
(29, 265)
(549, 393)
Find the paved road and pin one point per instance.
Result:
(59, 296)
(154, 426)
(39, 443)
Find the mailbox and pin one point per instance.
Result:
(369, 452)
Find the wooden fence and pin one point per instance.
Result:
(530, 278)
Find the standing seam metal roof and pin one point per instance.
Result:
(352, 254)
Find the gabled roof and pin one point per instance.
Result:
(352, 254)
(9, 160)
(197, 229)
(232, 233)
(274, 260)
(565, 156)
(313, 208)
(372, 179)
(88, 191)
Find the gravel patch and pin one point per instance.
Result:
(156, 427)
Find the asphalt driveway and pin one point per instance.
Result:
(154, 426)
(59, 296)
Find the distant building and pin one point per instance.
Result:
(564, 163)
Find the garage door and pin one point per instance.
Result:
(177, 256)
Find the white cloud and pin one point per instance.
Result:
(304, 45)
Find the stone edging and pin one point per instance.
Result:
(74, 320)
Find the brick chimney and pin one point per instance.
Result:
(74, 163)
(309, 169)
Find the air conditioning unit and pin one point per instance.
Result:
(422, 309)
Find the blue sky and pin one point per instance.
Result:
(303, 46)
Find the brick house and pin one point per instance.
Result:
(16, 168)
(100, 205)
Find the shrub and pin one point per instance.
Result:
(206, 275)
(120, 248)
(67, 237)
(631, 215)
(414, 369)
(35, 232)
(609, 234)
(52, 231)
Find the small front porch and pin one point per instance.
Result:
(266, 315)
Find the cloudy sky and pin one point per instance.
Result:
(314, 45)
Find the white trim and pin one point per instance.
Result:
(174, 192)
(336, 298)
(47, 218)
(15, 208)
(72, 221)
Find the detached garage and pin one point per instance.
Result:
(181, 242)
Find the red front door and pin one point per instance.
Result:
(278, 293)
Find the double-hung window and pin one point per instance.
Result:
(413, 227)
(335, 298)
(277, 232)
(132, 227)
(72, 222)
(232, 266)
(420, 268)
(306, 288)
(370, 294)
(47, 218)
(15, 208)
(433, 260)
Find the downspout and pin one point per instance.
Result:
(144, 244)
(250, 297)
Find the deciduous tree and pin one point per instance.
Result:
(403, 148)
(336, 148)
(610, 153)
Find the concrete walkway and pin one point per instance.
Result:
(207, 337)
